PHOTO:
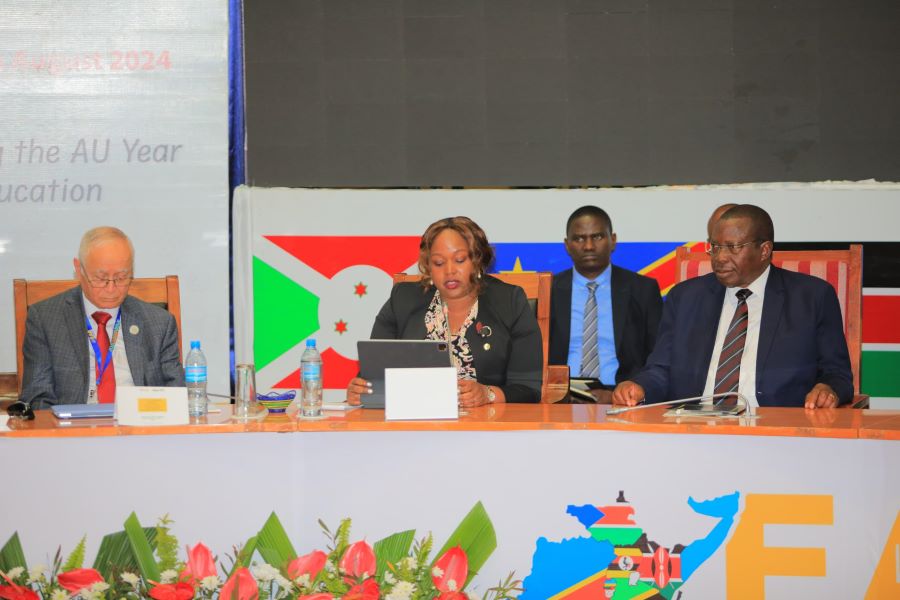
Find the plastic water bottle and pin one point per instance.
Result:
(195, 379)
(311, 380)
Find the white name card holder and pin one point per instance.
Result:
(143, 406)
(420, 393)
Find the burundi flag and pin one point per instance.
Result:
(329, 288)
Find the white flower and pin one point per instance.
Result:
(99, 587)
(130, 578)
(210, 584)
(36, 572)
(451, 585)
(329, 566)
(302, 580)
(437, 571)
(282, 582)
(264, 572)
(168, 576)
(389, 578)
(408, 563)
(15, 572)
(402, 591)
(89, 594)
(59, 595)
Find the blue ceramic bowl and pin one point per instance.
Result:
(277, 402)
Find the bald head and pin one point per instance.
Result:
(715, 216)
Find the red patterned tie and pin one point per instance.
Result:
(106, 390)
(728, 373)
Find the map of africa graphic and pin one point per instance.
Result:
(618, 560)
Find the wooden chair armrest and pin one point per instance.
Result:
(556, 385)
(858, 401)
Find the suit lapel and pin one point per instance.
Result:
(562, 307)
(773, 305)
(134, 350)
(710, 311)
(77, 332)
(621, 290)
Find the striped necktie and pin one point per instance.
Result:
(728, 373)
(590, 359)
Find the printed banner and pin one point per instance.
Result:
(318, 263)
(116, 113)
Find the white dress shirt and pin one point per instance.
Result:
(747, 383)
(119, 358)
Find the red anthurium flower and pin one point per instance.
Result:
(359, 560)
(172, 591)
(308, 564)
(77, 579)
(322, 596)
(16, 592)
(453, 567)
(240, 586)
(367, 590)
(200, 564)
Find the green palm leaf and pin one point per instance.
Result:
(273, 544)
(243, 556)
(140, 547)
(391, 549)
(476, 536)
(115, 556)
(12, 556)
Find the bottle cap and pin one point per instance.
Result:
(195, 344)
(311, 343)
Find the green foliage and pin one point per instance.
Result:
(476, 536)
(141, 549)
(391, 549)
(76, 558)
(242, 556)
(273, 544)
(11, 555)
(115, 555)
(166, 545)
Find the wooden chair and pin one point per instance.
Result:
(841, 268)
(537, 290)
(162, 291)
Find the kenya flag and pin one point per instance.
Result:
(325, 287)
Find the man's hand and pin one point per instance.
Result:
(821, 396)
(628, 393)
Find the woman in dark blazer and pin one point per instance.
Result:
(493, 333)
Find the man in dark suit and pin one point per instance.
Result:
(774, 336)
(80, 344)
(603, 318)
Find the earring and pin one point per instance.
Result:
(479, 276)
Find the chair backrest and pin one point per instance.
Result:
(537, 290)
(162, 291)
(841, 268)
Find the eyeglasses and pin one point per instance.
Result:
(120, 281)
(733, 249)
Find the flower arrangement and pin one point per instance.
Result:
(142, 563)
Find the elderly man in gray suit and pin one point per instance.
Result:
(82, 343)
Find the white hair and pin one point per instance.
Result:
(101, 234)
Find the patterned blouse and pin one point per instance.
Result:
(437, 323)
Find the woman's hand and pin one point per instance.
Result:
(357, 387)
(471, 393)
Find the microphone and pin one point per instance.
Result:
(722, 397)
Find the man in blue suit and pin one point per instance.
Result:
(774, 336)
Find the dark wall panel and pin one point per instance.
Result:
(570, 92)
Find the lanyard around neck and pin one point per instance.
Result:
(101, 366)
